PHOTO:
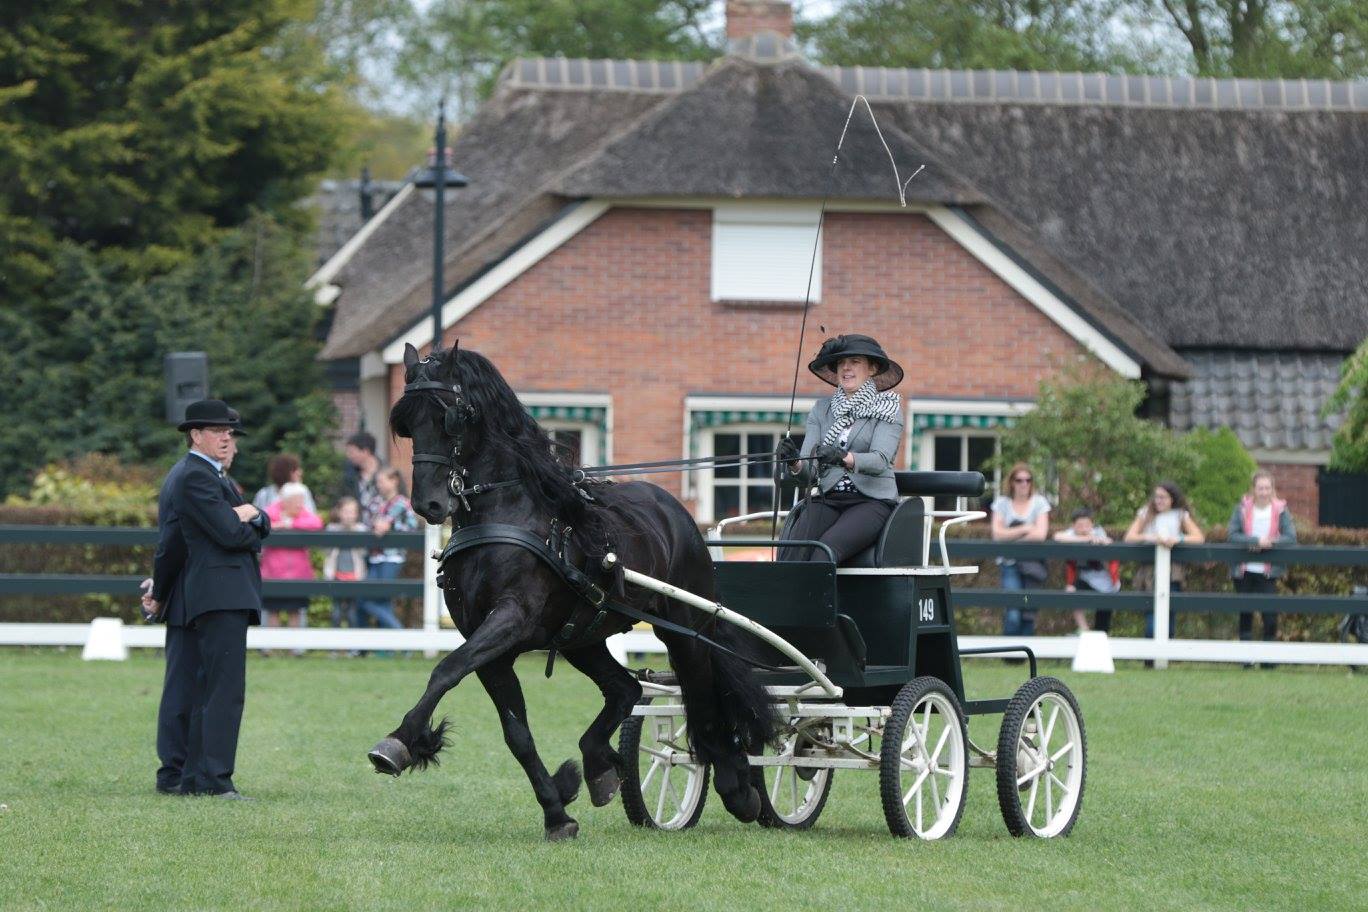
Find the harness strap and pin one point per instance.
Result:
(579, 583)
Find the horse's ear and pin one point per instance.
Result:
(410, 355)
(449, 363)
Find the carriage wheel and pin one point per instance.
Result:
(791, 797)
(924, 763)
(1042, 760)
(663, 786)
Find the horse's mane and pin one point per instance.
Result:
(512, 437)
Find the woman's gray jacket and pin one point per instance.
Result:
(874, 442)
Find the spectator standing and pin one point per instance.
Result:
(1165, 521)
(1093, 576)
(289, 512)
(1260, 520)
(283, 469)
(390, 512)
(345, 563)
(1020, 515)
(364, 467)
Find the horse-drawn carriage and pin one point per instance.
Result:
(864, 667)
(860, 666)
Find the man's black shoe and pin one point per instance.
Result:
(233, 795)
(163, 790)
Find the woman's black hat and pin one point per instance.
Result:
(888, 373)
(210, 413)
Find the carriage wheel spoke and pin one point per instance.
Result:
(679, 802)
(660, 799)
(921, 827)
(1049, 726)
(1062, 787)
(1062, 751)
(1030, 802)
(646, 781)
(793, 779)
(1033, 774)
(935, 790)
(778, 780)
(940, 745)
(916, 786)
(1049, 800)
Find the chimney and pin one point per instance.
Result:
(750, 17)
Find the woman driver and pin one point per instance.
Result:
(851, 438)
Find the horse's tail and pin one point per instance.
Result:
(745, 707)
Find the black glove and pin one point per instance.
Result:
(787, 450)
(828, 455)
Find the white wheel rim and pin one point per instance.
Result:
(671, 780)
(932, 771)
(1049, 764)
(790, 796)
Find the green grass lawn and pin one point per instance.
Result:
(1207, 789)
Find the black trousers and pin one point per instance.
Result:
(202, 699)
(1260, 584)
(847, 522)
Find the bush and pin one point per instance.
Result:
(1087, 446)
(1224, 469)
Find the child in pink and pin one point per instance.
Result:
(288, 512)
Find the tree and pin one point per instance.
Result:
(978, 34)
(470, 41)
(1084, 439)
(140, 130)
(1272, 38)
(1349, 450)
(94, 383)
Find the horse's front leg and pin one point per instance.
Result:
(553, 792)
(415, 743)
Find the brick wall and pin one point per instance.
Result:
(1296, 484)
(625, 308)
(348, 405)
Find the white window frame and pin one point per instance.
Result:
(925, 442)
(707, 479)
(591, 443)
(764, 252)
(698, 485)
(963, 434)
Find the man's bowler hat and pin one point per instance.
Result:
(211, 413)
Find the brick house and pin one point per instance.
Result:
(634, 246)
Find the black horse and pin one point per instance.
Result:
(465, 418)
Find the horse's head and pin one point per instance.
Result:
(438, 417)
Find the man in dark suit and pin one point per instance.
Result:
(206, 583)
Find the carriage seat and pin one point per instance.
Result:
(900, 543)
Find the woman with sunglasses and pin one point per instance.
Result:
(1020, 515)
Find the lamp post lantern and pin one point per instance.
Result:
(439, 175)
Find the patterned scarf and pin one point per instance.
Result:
(867, 402)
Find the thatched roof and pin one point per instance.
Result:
(1170, 212)
(1212, 227)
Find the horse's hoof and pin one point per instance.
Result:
(390, 756)
(604, 788)
(562, 831)
(746, 808)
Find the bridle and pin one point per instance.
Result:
(454, 418)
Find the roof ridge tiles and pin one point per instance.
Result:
(969, 86)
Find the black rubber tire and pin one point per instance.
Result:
(770, 819)
(890, 756)
(1009, 794)
(633, 803)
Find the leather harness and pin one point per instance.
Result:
(587, 621)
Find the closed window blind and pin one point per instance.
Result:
(762, 253)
